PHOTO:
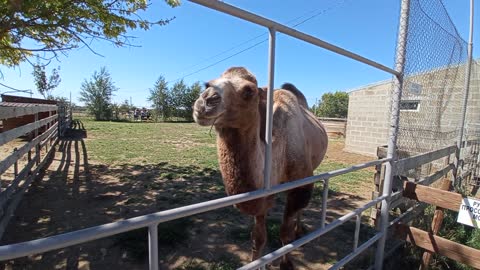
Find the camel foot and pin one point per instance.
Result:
(286, 265)
(300, 231)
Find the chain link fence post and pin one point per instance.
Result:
(393, 132)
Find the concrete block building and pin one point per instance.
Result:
(430, 112)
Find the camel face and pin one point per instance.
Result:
(226, 102)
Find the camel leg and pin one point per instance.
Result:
(297, 199)
(298, 225)
(259, 236)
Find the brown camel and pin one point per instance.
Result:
(236, 106)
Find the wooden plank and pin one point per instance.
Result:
(414, 162)
(10, 160)
(18, 196)
(12, 188)
(397, 198)
(439, 245)
(11, 112)
(17, 132)
(436, 224)
(436, 176)
(441, 198)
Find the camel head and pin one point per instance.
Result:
(230, 101)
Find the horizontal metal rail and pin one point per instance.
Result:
(8, 252)
(309, 237)
(251, 17)
(356, 252)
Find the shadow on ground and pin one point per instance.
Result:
(73, 194)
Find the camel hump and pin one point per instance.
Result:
(301, 98)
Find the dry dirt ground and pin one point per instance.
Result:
(75, 193)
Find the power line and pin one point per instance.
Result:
(320, 11)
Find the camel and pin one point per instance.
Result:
(236, 106)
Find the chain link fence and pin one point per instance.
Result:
(434, 84)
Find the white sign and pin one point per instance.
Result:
(414, 88)
(469, 213)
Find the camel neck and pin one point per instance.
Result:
(241, 159)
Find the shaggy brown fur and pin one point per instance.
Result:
(236, 106)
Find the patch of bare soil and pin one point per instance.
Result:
(73, 194)
(335, 152)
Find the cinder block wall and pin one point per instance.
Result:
(368, 118)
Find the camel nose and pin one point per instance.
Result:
(212, 101)
(199, 106)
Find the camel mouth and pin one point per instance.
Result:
(206, 120)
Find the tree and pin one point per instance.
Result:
(160, 97)
(55, 26)
(332, 105)
(97, 94)
(125, 107)
(178, 93)
(192, 94)
(45, 86)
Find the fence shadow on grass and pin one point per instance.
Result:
(73, 194)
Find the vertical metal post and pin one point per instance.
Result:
(468, 69)
(394, 120)
(356, 236)
(153, 246)
(324, 203)
(268, 129)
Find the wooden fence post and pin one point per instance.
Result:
(15, 165)
(436, 224)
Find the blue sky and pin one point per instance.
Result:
(188, 44)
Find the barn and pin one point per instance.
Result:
(430, 111)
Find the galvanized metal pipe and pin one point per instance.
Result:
(356, 252)
(309, 237)
(153, 246)
(394, 120)
(8, 252)
(251, 17)
(356, 236)
(468, 70)
(324, 203)
(268, 128)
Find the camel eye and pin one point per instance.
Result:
(207, 85)
(248, 92)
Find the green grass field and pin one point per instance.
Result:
(183, 144)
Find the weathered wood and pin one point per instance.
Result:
(436, 224)
(436, 176)
(10, 160)
(439, 245)
(17, 132)
(413, 162)
(18, 196)
(441, 198)
(12, 112)
(12, 188)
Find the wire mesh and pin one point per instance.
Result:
(435, 70)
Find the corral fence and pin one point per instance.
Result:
(30, 129)
(334, 126)
(416, 19)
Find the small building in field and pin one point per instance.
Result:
(430, 112)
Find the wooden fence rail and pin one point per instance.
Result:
(42, 145)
